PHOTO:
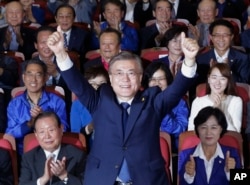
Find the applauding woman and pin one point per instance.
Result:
(220, 93)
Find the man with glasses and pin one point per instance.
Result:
(126, 148)
(221, 35)
(24, 108)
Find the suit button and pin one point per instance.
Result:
(117, 166)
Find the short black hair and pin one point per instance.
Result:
(46, 114)
(44, 28)
(114, 2)
(173, 32)
(112, 30)
(205, 113)
(65, 6)
(221, 22)
(95, 71)
(35, 61)
(156, 2)
(152, 68)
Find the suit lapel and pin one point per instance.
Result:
(135, 111)
(202, 173)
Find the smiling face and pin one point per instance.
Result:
(207, 11)
(48, 133)
(42, 46)
(158, 79)
(65, 18)
(174, 46)
(34, 78)
(162, 12)
(221, 38)
(109, 45)
(113, 14)
(125, 77)
(209, 132)
(217, 82)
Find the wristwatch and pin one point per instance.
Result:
(65, 180)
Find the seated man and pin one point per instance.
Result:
(221, 35)
(6, 175)
(51, 162)
(24, 108)
(110, 45)
(15, 37)
(151, 36)
(114, 13)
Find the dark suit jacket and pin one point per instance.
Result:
(33, 163)
(6, 175)
(28, 47)
(94, 62)
(218, 175)
(147, 36)
(140, 145)
(238, 61)
(78, 40)
(187, 10)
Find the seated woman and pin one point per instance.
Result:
(80, 118)
(172, 41)
(174, 123)
(208, 162)
(33, 14)
(220, 93)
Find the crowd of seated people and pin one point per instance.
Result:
(122, 25)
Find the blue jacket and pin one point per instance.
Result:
(79, 116)
(176, 121)
(129, 40)
(18, 113)
(38, 14)
(218, 175)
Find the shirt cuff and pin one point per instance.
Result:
(65, 65)
(188, 178)
(187, 71)
(38, 182)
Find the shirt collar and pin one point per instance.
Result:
(223, 58)
(200, 153)
(56, 152)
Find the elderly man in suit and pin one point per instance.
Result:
(51, 162)
(126, 120)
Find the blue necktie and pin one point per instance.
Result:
(13, 43)
(65, 40)
(124, 173)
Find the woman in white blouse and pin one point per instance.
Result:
(220, 92)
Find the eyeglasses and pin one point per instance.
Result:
(224, 35)
(38, 76)
(121, 74)
(157, 80)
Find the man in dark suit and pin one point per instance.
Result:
(221, 35)
(134, 149)
(51, 162)
(151, 36)
(110, 45)
(76, 38)
(15, 37)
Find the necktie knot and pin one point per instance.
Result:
(125, 105)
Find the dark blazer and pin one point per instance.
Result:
(218, 175)
(245, 40)
(140, 145)
(6, 175)
(78, 40)
(147, 36)
(33, 163)
(238, 61)
(28, 47)
(187, 10)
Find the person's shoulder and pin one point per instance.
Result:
(72, 149)
(33, 152)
